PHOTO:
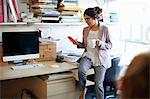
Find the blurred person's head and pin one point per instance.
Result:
(135, 83)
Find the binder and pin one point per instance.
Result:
(1, 11)
(5, 11)
(12, 11)
(16, 9)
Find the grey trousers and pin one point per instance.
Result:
(86, 64)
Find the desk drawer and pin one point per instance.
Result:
(55, 87)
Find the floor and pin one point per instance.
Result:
(73, 95)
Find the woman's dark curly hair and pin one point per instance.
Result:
(93, 12)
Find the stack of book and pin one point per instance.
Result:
(39, 7)
(45, 9)
(9, 11)
(70, 19)
(51, 17)
(70, 8)
(71, 12)
(71, 3)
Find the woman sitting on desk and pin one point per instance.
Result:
(96, 41)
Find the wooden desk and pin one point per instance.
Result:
(13, 81)
(7, 73)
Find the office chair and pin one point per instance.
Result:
(110, 78)
(109, 81)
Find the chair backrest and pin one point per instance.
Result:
(112, 72)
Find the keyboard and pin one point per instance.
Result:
(27, 66)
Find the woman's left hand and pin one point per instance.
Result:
(98, 42)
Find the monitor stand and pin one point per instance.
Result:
(20, 62)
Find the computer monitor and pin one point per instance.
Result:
(20, 46)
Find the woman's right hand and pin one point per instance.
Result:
(76, 42)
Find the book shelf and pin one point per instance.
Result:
(51, 24)
(40, 5)
(60, 24)
(13, 23)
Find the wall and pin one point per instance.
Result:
(57, 31)
(133, 20)
(133, 17)
(61, 32)
(4, 28)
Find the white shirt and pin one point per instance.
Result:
(92, 53)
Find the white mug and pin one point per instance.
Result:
(92, 43)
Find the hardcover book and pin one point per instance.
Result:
(12, 13)
(15, 4)
(5, 11)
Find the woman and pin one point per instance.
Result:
(94, 56)
(135, 83)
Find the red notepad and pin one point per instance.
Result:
(72, 40)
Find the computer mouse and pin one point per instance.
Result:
(55, 66)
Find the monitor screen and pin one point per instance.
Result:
(20, 45)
